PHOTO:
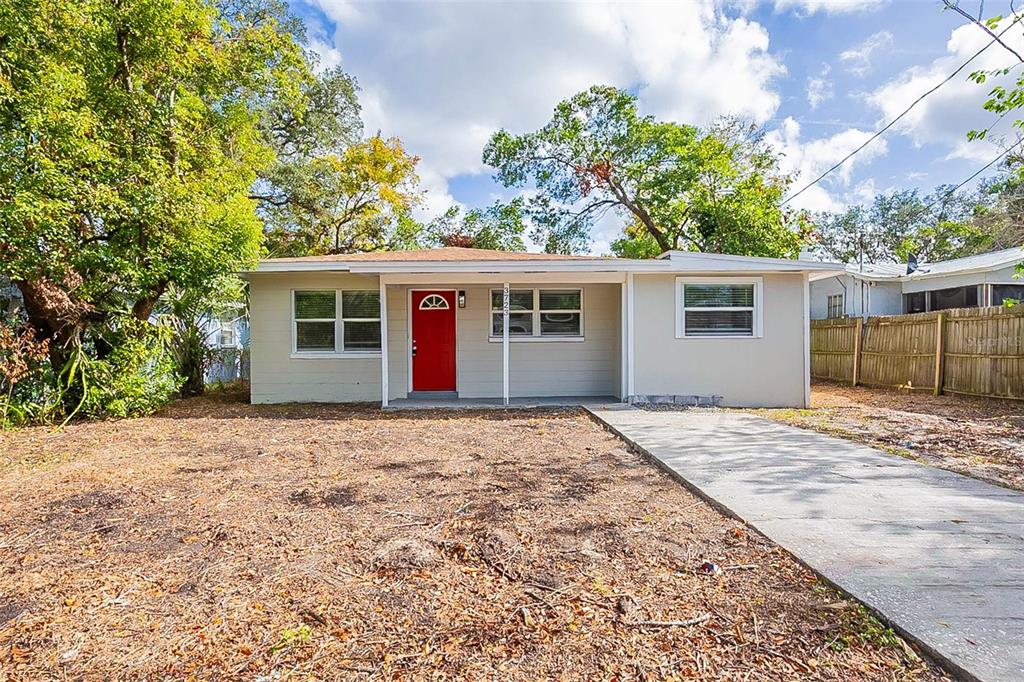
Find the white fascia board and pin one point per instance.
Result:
(302, 266)
(873, 277)
(486, 267)
(818, 275)
(687, 260)
(953, 273)
(703, 264)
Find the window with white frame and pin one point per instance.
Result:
(336, 321)
(539, 313)
(836, 309)
(226, 335)
(723, 307)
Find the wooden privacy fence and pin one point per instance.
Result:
(971, 351)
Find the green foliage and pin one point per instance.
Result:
(291, 637)
(715, 190)
(356, 200)
(135, 375)
(902, 222)
(183, 313)
(131, 132)
(129, 138)
(636, 242)
(499, 227)
(136, 378)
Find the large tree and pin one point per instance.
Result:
(130, 136)
(354, 199)
(676, 186)
(500, 226)
(942, 225)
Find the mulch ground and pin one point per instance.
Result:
(219, 540)
(979, 437)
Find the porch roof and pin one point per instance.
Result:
(463, 260)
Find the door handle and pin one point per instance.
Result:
(414, 347)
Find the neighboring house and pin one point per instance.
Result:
(228, 335)
(987, 279)
(387, 326)
(10, 297)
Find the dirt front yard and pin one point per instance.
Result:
(978, 437)
(219, 540)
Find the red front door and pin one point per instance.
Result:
(433, 340)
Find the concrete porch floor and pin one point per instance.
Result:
(601, 402)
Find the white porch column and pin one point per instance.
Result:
(504, 342)
(383, 344)
(630, 348)
(806, 319)
(624, 343)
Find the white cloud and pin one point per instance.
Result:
(444, 76)
(944, 117)
(807, 7)
(858, 59)
(808, 159)
(819, 88)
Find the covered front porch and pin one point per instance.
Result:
(537, 339)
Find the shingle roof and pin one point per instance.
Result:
(444, 254)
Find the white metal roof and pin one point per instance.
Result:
(982, 262)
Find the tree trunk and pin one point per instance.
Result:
(57, 317)
(143, 306)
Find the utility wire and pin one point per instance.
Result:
(893, 122)
(973, 175)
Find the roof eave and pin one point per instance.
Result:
(708, 266)
(967, 271)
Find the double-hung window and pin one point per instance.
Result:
(718, 307)
(539, 313)
(835, 306)
(336, 321)
(226, 334)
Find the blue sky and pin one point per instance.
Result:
(820, 76)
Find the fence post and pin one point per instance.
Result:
(939, 352)
(857, 333)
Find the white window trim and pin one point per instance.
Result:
(536, 337)
(339, 330)
(842, 306)
(758, 308)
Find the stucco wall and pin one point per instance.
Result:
(545, 368)
(823, 288)
(754, 372)
(883, 298)
(536, 368)
(277, 377)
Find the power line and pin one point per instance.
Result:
(893, 122)
(972, 176)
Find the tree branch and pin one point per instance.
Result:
(980, 24)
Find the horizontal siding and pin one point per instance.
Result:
(536, 369)
(277, 377)
(754, 372)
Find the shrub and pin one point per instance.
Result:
(136, 378)
(127, 372)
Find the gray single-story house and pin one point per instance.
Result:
(458, 324)
(987, 279)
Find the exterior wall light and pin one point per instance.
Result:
(462, 299)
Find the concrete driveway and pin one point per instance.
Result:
(940, 555)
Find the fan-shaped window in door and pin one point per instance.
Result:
(434, 302)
